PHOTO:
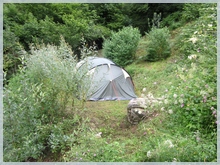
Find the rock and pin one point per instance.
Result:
(136, 110)
(142, 108)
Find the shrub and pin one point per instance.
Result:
(158, 46)
(121, 46)
(194, 100)
(36, 99)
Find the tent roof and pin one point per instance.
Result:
(94, 61)
(108, 80)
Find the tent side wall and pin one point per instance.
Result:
(108, 81)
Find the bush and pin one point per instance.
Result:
(194, 100)
(37, 99)
(158, 47)
(121, 46)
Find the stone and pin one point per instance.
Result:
(136, 110)
(141, 108)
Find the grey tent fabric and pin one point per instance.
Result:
(107, 80)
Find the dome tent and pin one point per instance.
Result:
(107, 81)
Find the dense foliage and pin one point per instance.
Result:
(121, 46)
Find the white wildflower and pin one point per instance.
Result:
(144, 89)
(160, 102)
(170, 111)
(166, 101)
(193, 39)
(148, 154)
(175, 95)
(162, 109)
(193, 56)
(169, 143)
(174, 159)
(175, 102)
(181, 101)
(98, 135)
(203, 93)
(209, 25)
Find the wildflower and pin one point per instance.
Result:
(168, 142)
(162, 109)
(155, 83)
(165, 101)
(193, 56)
(182, 105)
(193, 39)
(144, 90)
(174, 160)
(181, 101)
(148, 154)
(216, 122)
(214, 112)
(212, 108)
(166, 90)
(195, 32)
(175, 95)
(170, 111)
(209, 25)
(204, 99)
(145, 133)
(98, 135)
(94, 155)
(214, 98)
